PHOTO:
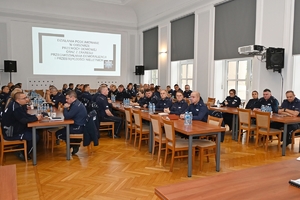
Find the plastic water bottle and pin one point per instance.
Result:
(113, 99)
(153, 107)
(186, 118)
(150, 108)
(218, 104)
(191, 118)
(263, 108)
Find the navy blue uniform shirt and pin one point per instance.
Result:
(233, 102)
(179, 107)
(122, 95)
(251, 103)
(199, 111)
(187, 94)
(294, 105)
(152, 99)
(58, 98)
(87, 95)
(163, 103)
(272, 101)
(77, 112)
(103, 104)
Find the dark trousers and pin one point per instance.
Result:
(228, 119)
(118, 122)
(74, 129)
(27, 135)
(290, 129)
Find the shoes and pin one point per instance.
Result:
(21, 156)
(287, 144)
(116, 136)
(57, 141)
(75, 149)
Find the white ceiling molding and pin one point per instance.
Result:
(118, 2)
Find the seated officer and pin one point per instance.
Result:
(290, 107)
(197, 107)
(170, 91)
(231, 101)
(150, 98)
(176, 88)
(75, 110)
(251, 103)
(163, 102)
(16, 116)
(179, 107)
(140, 100)
(86, 92)
(56, 97)
(121, 94)
(187, 92)
(104, 113)
(4, 96)
(267, 100)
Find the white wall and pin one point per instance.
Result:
(18, 40)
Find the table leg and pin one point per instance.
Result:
(190, 156)
(284, 139)
(218, 152)
(34, 145)
(150, 138)
(68, 142)
(236, 127)
(233, 127)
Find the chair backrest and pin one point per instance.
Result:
(262, 120)
(137, 119)
(40, 92)
(210, 101)
(244, 116)
(169, 130)
(128, 115)
(187, 100)
(214, 120)
(156, 125)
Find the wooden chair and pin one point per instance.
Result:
(50, 136)
(173, 144)
(210, 101)
(11, 146)
(158, 136)
(207, 147)
(187, 100)
(245, 123)
(108, 126)
(80, 136)
(142, 131)
(263, 128)
(294, 136)
(40, 92)
(130, 125)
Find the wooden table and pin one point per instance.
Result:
(8, 182)
(263, 182)
(50, 124)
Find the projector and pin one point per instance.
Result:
(251, 50)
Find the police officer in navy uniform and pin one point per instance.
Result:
(73, 109)
(16, 116)
(130, 90)
(197, 107)
(179, 107)
(150, 98)
(163, 102)
(121, 94)
(104, 112)
(86, 92)
(170, 91)
(290, 107)
(140, 100)
(231, 101)
(176, 88)
(267, 100)
(56, 97)
(187, 92)
(251, 103)
(4, 96)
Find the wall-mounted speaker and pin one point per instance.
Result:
(139, 70)
(10, 66)
(275, 58)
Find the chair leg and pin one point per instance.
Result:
(25, 151)
(240, 132)
(166, 154)
(201, 158)
(140, 141)
(135, 136)
(266, 143)
(2, 154)
(53, 138)
(159, 152)
(153, 147)
(172, 161)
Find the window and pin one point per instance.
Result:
(182, 73)
(238, 77)
(233, 74)
(151, 76)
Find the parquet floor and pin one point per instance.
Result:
(117, 170)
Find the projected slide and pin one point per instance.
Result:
(68, 52)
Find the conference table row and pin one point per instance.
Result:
(286, 120)
(198, 128)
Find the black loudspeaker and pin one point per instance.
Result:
(139, 70)
(275, 58)
(10, 66)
